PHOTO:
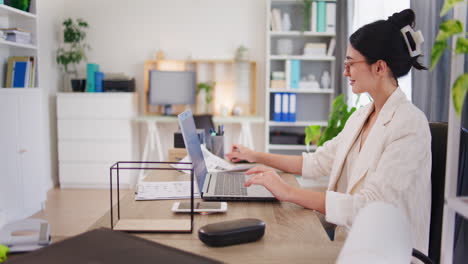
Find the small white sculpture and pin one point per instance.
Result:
(286, 23)
(325, 80)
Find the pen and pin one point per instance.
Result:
(212, 132)
(219, 130)
(222, 130)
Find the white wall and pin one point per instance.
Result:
(49, 21)
(123, 34)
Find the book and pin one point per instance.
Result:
(18, 36)
(330, 17)
(17, 72)
(331, 47)
(287, 73)
(107, 246)
(321, 16)
(313, 17)
(277, 17)
(32, 81)
(295, 74)
(273, 25)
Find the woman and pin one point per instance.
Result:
(383, 153)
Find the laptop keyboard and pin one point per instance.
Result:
(229, 184)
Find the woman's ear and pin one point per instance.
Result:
(381, 68)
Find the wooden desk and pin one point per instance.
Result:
(293, 234)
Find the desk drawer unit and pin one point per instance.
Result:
(94, 131)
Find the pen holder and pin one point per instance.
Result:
(217, 146)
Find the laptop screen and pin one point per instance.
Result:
(192, 143)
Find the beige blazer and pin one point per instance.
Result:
(394, 166)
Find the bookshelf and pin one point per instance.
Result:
(22, 117)
(312, 104)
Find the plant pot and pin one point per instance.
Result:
(78, 85)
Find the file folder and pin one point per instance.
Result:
(295, 73)
(277, 107)
(285, 107)
(292, 107)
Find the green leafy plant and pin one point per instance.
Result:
(448, 29)
(75, 48)
(208, 87)
(336, 122)
(3, 253)
(307, 12)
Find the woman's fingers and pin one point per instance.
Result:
(256, 169)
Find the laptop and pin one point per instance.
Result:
(219, 186)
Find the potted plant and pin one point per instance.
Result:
(205, 97)
(73, 52)
(447, 29)
(336, 122)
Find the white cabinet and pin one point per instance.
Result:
(285, 48)
(22, 153)
(22, 122)
(95, 130)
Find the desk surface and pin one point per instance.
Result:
(293, 234)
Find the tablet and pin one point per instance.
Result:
(200, 207)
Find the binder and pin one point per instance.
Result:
(277, 107)
(287, 74)
(91, 68)
(321, 16)
(292, 107)
(19, 74)
(106, 246)
(98, 79)
(285, 107)
(330, 17)
(295, 74)
(313, 17)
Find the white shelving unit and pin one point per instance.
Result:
(313, 105)
(22, 149)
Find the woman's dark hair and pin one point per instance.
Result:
(383, 40)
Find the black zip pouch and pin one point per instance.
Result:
(232, 232)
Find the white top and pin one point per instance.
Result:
(342, 182)
(394, 166)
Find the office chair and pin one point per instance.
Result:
(439, 157)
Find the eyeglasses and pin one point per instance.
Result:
(347, 64)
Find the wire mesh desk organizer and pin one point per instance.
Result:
(172, 223)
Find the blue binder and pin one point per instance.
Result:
(277, 107)
(285, 107)
(19, 74)
(292, 107)
(98, 78)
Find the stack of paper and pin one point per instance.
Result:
(165, 190)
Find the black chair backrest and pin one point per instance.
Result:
(439, 157)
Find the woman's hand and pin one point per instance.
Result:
(269, 178)
(240, 153)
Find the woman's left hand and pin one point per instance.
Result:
(270, 179)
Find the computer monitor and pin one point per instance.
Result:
(168, 88)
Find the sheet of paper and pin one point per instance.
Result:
(214, 163)
(165, 190)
